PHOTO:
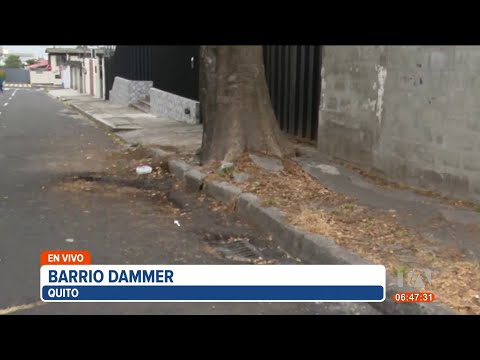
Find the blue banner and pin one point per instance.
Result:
(213, 293)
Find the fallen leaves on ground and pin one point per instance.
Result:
(373, 234)
(377, 237)
(289, 188)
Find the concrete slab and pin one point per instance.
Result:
(269, 164)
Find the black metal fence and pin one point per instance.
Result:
(292, 72)
(293, 77)
(171, 68)
(109, 76)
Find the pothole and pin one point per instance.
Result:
(144, 183)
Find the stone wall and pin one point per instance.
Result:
(168, 105)
(125, 92)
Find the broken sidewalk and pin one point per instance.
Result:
(431, 217)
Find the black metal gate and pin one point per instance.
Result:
(294, 79)
(292, 72)
(176, 70)
(171, 68)
(109, 77)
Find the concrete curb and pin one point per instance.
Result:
(309, 247)
(222, 191)
(178, 168)
(194, 180)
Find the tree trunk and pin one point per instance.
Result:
(235, 105)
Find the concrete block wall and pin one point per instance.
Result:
(351, 101)
(165, 104)
(125, 92)
(410, 112)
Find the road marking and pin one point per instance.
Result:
(5, 104)
(16, 308)
(14, 85)
(10, 98)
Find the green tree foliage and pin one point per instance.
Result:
(13, 61)
(31, 61)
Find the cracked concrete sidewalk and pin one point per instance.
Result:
(447, 224)
(134, 126)
(431, 217)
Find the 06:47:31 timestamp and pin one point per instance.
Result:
(413, 297)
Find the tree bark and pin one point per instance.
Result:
(236, 109)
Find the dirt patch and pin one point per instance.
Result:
(120, 189)
(136, 152)
(124, 162)
(375, 235)
(118, 178)
(93, 187)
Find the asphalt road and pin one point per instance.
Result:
(43, 146)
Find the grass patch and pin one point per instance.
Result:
(349, 206)
(270, 202)
(226, 172)
(316, 221)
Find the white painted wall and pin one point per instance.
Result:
(75, 79)
(66, 77)
(53, 60)
(44, 77)
(96, 77)
(73, 74)
(103, 80)
(86, 76)
(78, 85)
(74, 57)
